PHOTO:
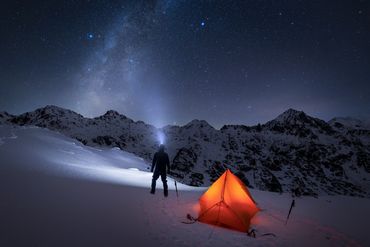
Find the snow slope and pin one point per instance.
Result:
(48, 151)
(57, 192)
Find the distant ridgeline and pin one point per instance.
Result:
(292, 153)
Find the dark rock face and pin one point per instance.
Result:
(267, 180)
(196, 179)
(272, 165)
(104, 140)
(184, 160)
(292, 153)
(5, 117)
(216, 170)
(244, 179)
(363, 160)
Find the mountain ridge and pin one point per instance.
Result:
(293, 152)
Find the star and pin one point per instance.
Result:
(90, 36)
(203, 24)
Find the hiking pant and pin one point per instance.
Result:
(163, 175)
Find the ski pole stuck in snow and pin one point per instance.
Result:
(290, 210)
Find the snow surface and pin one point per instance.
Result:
(56, 192)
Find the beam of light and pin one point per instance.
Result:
(52, 153)
(93, 170)
(160, 136)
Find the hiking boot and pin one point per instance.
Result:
(166, 193)
(152, 192)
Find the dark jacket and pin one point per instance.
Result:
(160, 162)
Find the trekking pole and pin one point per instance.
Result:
(290, 210)
(177, 193)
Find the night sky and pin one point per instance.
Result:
(168, 62)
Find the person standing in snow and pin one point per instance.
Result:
(160, 165)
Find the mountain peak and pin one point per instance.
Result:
(289, 114)
(112, 113)
(198, 123)
(53, 110)
(299, 123)
(292, 116)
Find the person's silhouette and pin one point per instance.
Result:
(160, 165)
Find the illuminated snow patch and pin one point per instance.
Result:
(51, 152)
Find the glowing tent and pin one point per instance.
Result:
(227, 203)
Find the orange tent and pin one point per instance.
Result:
(227, 203)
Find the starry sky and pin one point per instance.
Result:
(168, 62)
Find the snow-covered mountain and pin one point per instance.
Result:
(291, 153)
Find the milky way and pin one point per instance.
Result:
(168, 62)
